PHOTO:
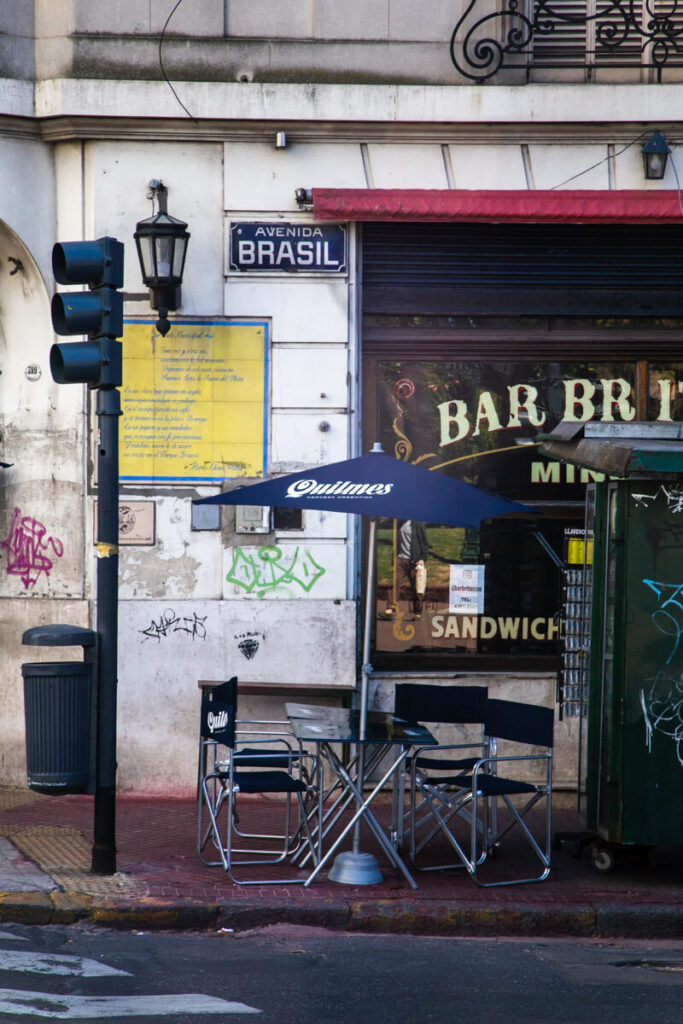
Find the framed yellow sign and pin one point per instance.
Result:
(195, 403)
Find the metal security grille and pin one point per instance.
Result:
(532, 269)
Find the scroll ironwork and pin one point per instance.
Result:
(625, 33)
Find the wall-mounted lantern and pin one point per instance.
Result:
(655, 153)
(161, 242)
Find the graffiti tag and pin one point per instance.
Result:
(267, 570)
(27, 545)
(662, 702)
(673, 497)
(668, 617)
(169, 622)
(662, 707)
(248, 643)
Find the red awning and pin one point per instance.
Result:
(572, 206)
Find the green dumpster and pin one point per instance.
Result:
(634, 770)
(634, 786)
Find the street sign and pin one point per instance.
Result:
(277, 247)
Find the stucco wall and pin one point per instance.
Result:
(101, 189)
(183, 610)
(167, 648)
(107, 140)
(244, 40)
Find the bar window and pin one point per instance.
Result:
(477, 597)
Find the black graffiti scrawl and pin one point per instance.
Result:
(168, 622)
(249, 643)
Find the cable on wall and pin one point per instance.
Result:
(604, 160)
(678, 183)
(161, 61)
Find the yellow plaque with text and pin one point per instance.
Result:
(195, 402)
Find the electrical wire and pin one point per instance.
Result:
(603, 161)
(678, 184)
(161, 62)
(615, 155)
(566, 181)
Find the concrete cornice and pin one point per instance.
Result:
(546, 104)
(64, 129)
(64, 109)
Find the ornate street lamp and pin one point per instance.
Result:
(655, 153)
(161, 242)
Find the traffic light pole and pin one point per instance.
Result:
(108, 412)
(97, 362)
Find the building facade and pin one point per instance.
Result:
(395, 236)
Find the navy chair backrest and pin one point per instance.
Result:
(523, 723)
(427, 702)
(219, 711)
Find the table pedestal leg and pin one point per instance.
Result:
(363, 812)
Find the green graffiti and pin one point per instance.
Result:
(265, 570)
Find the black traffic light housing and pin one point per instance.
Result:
(97, 313)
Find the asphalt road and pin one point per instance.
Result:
(285, 975)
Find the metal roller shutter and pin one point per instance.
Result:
(523, 269)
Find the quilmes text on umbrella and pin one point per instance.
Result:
(341, 489)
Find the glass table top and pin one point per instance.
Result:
(342, 725)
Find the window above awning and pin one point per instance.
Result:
(572, 206)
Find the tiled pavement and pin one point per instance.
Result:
(161, 883)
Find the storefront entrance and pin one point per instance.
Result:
(472, 391)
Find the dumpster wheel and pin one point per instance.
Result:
(602, 859)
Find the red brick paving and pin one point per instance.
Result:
(156, 844)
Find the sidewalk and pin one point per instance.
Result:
(161, 884)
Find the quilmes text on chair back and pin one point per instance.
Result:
(218, 714)
(430, 702)
(522, 723)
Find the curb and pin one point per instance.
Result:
(551, 921)
(399, 917)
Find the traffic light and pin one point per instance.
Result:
(97, 313)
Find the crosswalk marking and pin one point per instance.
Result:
(56, 963)
(68, 1007)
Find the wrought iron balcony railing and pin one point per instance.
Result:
(494, 35)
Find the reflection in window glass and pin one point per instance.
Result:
(496, 590)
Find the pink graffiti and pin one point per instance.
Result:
(26, 545)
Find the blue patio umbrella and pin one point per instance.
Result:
(378, 486)
(375, 485)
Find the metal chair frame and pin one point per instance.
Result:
(442, 789)
(254, 770)
(443, 704)
(484, 786)
(286, 759)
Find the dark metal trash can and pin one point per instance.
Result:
(57, 713)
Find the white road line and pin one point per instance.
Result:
(11, 937)
(42, 1004)
(55, 963)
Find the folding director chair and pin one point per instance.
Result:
(529, 725)
(438, 705)
(227, 769)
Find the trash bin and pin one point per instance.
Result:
(58, 713)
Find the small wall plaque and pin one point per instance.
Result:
(137, 523)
